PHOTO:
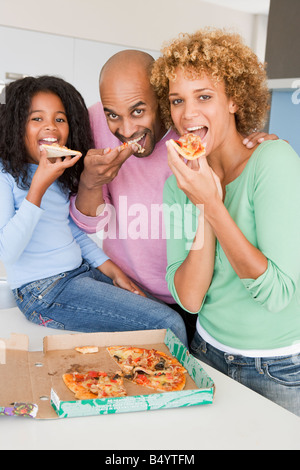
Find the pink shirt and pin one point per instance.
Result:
(134, 235)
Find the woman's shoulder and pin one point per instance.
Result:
(275, 163)
(275, 152)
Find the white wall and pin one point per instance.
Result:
(74, 38)
(140, 23)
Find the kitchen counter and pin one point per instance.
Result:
(238, 418)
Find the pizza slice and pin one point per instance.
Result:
(189, 146)
(87, 349)
(55, 151)
(149, 367)
(95, 385)
(162, 381)
(126, 144)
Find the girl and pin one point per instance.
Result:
(243, 281)
(60, 278)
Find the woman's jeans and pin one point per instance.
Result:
(276, 378)
(86, 300)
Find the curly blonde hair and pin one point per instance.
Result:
(223, 57)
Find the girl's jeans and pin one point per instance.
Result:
(86, 300)
(276, 378)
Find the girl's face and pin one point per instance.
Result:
(202, 107)
(47, 124)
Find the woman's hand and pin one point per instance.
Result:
(48, 171)
(195, 178)
(120, 279)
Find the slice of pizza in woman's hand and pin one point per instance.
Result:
(189, 146)
(56, 151)
(95, 384)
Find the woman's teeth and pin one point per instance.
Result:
(192, 129)
(200, 131)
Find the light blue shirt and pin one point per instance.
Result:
(39, 242)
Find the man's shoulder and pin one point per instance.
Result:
(102, 135)
(96, 112)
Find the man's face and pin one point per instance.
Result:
(131, 110)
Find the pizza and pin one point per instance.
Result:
(95, 384)
(87, 349)
(149, 368)
(126, 144)
(189, 146)
(55, 151)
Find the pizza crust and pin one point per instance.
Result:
(87, 349)
(55, 151)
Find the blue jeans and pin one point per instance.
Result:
(86, 300)
(276, 378)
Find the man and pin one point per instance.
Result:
(124, 195)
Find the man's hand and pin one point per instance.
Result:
(102, 166)
(258, 138)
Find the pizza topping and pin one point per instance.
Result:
(95, 384)
(189, 146)
(150, 368)
(135, 142)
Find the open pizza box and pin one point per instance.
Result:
(31, 382)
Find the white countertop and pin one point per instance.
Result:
(238, 418)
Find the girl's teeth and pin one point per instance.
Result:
(49, 139)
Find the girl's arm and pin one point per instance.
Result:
(16, 228)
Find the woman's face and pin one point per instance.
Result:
(202, 107)
(47, 124)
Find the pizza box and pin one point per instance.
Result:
(31, 382)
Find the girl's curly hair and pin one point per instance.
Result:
(13, 119)
(224, 57)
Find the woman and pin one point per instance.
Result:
(241, 273)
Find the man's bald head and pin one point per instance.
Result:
(129, 100)
(128, 61)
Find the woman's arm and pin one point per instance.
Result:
(270, 270)
(193, 277)
(190, 249)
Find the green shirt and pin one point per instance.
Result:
(264, 201)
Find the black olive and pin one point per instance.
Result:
(117, 358)
(160, 365)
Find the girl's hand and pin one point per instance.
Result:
(120, 279)
(196, 178)
(48, 171)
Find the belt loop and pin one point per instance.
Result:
(203, 347)
(258, 365)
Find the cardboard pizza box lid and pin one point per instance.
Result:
(31, 382)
